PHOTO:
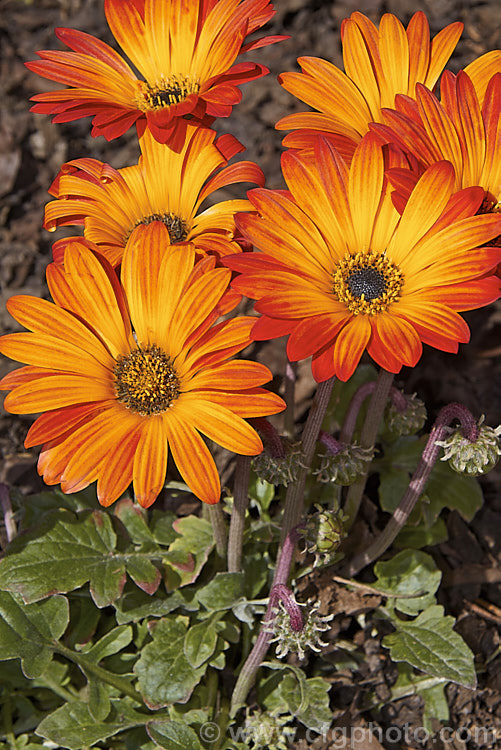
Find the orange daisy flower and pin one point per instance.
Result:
(378, 63)
(120, 389)
(186, 52)
(165, 186)
(342, 271)
(463, 129)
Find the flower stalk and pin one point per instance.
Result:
(367, 439)
(256, 656)
(417, 484)
(237, 522)
(215, 516)
(294, 498)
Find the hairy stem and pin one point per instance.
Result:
(237, 522)
(215, 515)
(294, 498)
(256, 656)
(367, 440)
(416, 485)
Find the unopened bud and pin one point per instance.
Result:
(279, 469)
(346, 466)
(263, 729)
(405, 416)
(472, 458)
(323, 533)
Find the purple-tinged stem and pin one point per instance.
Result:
(332, 445)
(240, 503)
(294, 497)
(8, 514)
(272, 441)
(417, 484)
(256, 656)
(367, 439)
(350, 420)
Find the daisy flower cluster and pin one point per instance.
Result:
(389, 228)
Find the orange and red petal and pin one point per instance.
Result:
(150, 461)
(54, 424)
(310, 335)
(55, 392)
(234, 375)
(223, 426)
(349, 346)
(253, 402)
(192, 458)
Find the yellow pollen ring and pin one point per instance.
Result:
(146, 381)
(367, 283)
(166, 92)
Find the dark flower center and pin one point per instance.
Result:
(177, 227)
(367, 282)
(146, 381)
(168, 91)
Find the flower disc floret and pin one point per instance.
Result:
(176, 226)
(146, 381)
(172, 90)
(367, 282)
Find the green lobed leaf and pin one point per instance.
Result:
(430, 644)
(306, 699)
(73, 727)
(99, 698)
(422, 535)
(66, 551)
(317, 715)
(135, 605)
(114, 641)
(436, 706)
(28, 631)
(173, 735)
(223, 592)
(300, 701)
(133, 518)
(61, 554)
(409, 572)
(446, 488)
(164, 673)
(200, 642)
(189, 552)
(36, 507)
(142, 571)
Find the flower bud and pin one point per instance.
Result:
(263, 729)
(291, 638)
(323, 533)
(472, 458)
(405, 416)
(346, 466)
(279, 469)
